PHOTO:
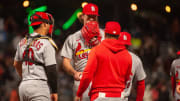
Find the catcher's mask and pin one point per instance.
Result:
(40, 17)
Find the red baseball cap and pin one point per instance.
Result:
(113, 27)
(90, 9)
(125, 38)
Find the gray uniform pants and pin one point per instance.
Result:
(102, 97)
(85, 96)
(34, 90)
(109, 99)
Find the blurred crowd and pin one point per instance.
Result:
(154, 41)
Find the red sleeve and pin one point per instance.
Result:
(140, 90)
(173, 84)
(87, 73)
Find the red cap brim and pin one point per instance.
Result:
(91, 14)
(35, 23)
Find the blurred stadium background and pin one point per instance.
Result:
(153, 24)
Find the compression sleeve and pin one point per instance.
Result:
(51, 73)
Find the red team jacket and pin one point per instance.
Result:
(108, 67)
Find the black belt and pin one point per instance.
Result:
(35, 79)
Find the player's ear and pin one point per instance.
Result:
(43, 25)
(82, 16)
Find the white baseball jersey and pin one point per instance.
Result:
(137, 72)
(74, 48)
(41, 51)
(175, 72)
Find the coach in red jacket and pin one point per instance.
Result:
(108, 67)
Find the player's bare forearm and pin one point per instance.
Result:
(70, 70)
(18, 66)
(68, 67)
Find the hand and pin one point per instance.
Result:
(77, 76)
(178, 89)
(54, 97)
(77, 98)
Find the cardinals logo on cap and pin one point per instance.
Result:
(92, 8)
(125, 37)
(112, 27)
(114, 32)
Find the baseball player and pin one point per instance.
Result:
(108, 67)
(35, 61)
(78, 45)
(137, 70)
(175, 78)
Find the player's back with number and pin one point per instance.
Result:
(36, 53)
(35, 61)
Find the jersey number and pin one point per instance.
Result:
(30, 56)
